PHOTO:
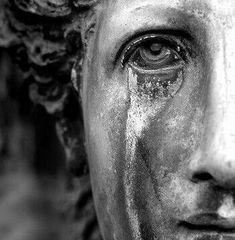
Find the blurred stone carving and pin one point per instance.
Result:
(40, 43)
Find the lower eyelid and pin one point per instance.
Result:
(163, 84)
(157, 71)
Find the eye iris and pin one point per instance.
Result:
(155, 47)
(151, 56)
(155, 52)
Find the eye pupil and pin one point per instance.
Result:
(156, 48)
(155, 54)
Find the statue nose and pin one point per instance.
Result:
(217, 156)
(213, 167)
(215, 159)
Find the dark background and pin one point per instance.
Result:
(44, 189)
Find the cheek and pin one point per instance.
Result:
(139, 146)
(106, 133)
(170, 137)
(170, 131)
(107, 121)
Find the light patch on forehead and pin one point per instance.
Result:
(122, 13)
(226, 6)
(140, 9)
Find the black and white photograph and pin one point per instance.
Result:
(117, 119)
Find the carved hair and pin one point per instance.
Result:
(46, 40)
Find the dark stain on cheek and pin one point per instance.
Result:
(144, 158)
(147, 232)
(143, 152)
(142, 174)
(159, 85)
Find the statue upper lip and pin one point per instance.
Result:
(209, 222)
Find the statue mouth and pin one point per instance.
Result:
(209, 223)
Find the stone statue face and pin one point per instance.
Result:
(159, 107)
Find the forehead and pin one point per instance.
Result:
(122, 18)
(120, 10)
(220, 6)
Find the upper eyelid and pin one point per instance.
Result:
(139, 37)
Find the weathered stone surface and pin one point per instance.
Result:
(49, 8)
(83, 3)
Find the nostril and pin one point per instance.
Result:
(202, 176)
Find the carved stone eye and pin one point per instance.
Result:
(158, 69)
(155, 56)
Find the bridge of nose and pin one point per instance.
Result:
(218, 157)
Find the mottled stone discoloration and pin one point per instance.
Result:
(158, 156)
